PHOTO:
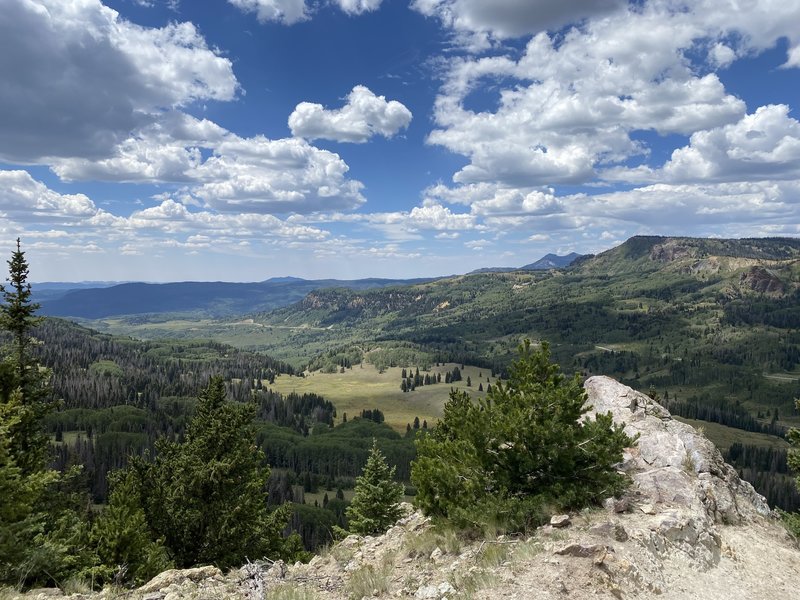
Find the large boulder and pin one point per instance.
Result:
(672, 465)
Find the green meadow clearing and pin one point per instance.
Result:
(364, 387)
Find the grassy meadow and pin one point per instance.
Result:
(364, 387)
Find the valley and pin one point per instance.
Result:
(709, 327)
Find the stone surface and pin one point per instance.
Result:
(179, 576)
(559, 521)
(673, 465)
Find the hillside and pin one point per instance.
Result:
(688, 528)
(198, 299)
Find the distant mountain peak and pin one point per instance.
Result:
(548, 261)
(552, 261)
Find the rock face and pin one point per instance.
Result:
(673, 466)
(687, 529)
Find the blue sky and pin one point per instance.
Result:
(166, 140)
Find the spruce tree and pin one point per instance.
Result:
(122, 539)
(19, 522)
(43, 527)
(206, 496)
(376, 503)
(20, 372)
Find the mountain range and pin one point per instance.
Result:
(98, 300)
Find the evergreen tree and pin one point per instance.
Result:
(206, 496)
(122, 539)
(501, 459)
(18, 520)
(376, 502)
(43, 521)
(20, 372)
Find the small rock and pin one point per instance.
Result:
(435, 592)
(581, 550)
(648, 509)
(617, 505)
(176, 576)
(437, 554)
(610, 530)
(560, 521)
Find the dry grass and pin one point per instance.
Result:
(290, 592)
(371, 580)
(425, 543)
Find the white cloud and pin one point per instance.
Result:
(487, 199)
(722, 55)
(668, 207)
(77, 78)
(283, 11)
(264, 176)
(242, 174)
(482, 20)
(478, 244)
(161, 152)
(357, 7)
(762, 145)
(364, 116)
(569, 106)
(24, 199)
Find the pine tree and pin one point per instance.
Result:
(122, 539)
(376, 503)
(43, 527)
(502, 458)
(18, 521)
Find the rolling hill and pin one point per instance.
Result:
(197, 299)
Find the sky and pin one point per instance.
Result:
(238, 140)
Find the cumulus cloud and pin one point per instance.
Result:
(263, 176)
(255, 174)
(283, 11)
(510, 18)
(24, 199)
(163, 151)
(357, 7)
(487, 199)
(63, 223)
(77, 78)
(666, 207)
(569, 106)
(763, 145)
(363, 116)
(290, 12)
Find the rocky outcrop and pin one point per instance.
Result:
(673, 466)
(762, 281)
(687, 528)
